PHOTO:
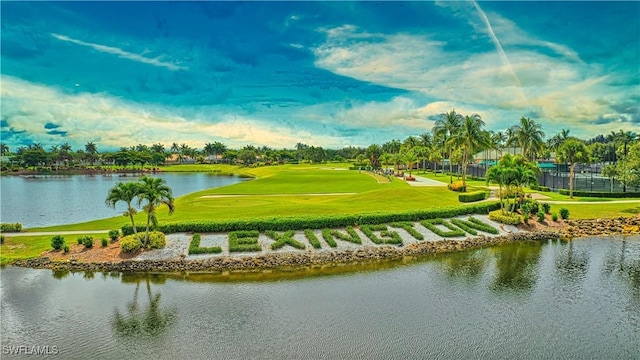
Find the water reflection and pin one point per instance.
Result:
(467, 265)
(572, 263)
(623, 261)
(147, 320)
(516, 266)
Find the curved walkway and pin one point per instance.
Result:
(422, 181)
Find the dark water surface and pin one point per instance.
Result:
(576, 300)
(57, 200)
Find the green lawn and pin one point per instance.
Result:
(25, 247)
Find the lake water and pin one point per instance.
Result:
(576, 300)
(57, 200)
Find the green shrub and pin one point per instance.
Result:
(284, 239)
(482, 226)
(408, 227)
(326, 235)
(554, 217)
(65, 248)
(540, 188)
(57, 242)
(524, 209)
(564, 213)
(246, 240)
(313, 239)
(350, 236)
(157, 240)
(540, 216)
(464, 226)
(532, 205)
(386, 236)
(104, 242)
(509, 219)
(525, 218)
(11, 227)
(87, 242)
(431, 225)
(472, 196)
(114, 234)
(319, 221)
(546, 207)
(603, 194)
(194, 247)
(80, 240)
(130, 243)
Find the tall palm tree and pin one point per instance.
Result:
(409, 157)
(447, 125)
(155, 192)
(125, 192)
(386, 159)
(411, 142)
(499, 139)
(573, 151)
(472, 138)
(4, 149)
(528, 135)
(373, 153)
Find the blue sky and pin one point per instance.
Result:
(328, 74)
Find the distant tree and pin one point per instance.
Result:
(91, 152)
(373, 152)
(610, 171)
(528, 135)
(386, 159)
(247, 156)
(409, 158)
(445, 127)
(471, 137)
(4, 149)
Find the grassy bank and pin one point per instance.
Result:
(26, 247)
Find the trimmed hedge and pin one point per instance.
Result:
(313, 239)
(600, 194)
(284, 239)
(351, 236)
(194, 247)
(498, 216)
(431, 225)
(540, 188)
(129, 243)
(386, 236)
(240, 241)
(472, 196)
(318, 222)
(11, 227)
(408, 227)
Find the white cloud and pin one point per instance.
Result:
(113, 122)
(560, 90)
(121, 53)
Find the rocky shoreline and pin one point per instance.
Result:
(574, 229)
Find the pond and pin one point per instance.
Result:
(57, 200)
(526, 300)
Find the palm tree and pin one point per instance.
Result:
(392, 147)
(472, 138)
(528, 136)
(209, 149)
(91, 150)
(409, 157)
(386, 159)
(373, 153)
(498, 140)
(447, 125)
(125, 192)
(410, 142)
(4, 149)
(434, 156)
(155, 192)
(573, 151)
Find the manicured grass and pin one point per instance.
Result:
(591, 211)
(25, 247)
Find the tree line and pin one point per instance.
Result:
(455, 138)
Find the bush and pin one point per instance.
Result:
(532, 205)
(540, 216)
(546, 207)
(599, 194)
(350, 236)
(80, 240)
(319, 221)
(482, 226)
(525, 218)
(564, 213)
(431, 225)
(129, 244)
(57, 242)
(554, 217)
(65, 249)
(104, 242)
(10, 227)
(114, 234)
(313, 239)
(284, 239)
(540, 188)
(194, 247)
(472, 196)
(509, 219)
(386, 236)
(246, 240)
(87, 242)
(157, 240)
(458, 186)
(408, 227)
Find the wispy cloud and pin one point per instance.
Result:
(121, 53)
